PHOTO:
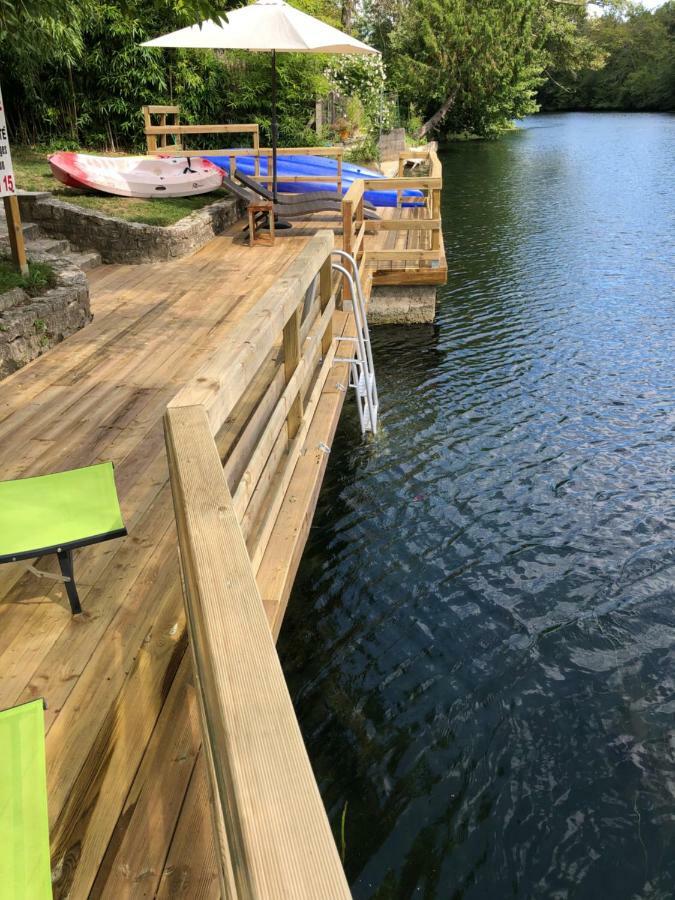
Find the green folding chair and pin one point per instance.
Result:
(57, 514)
(25, 868)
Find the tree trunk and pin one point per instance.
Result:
(433, 123)
(347, 14)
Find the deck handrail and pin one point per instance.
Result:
(273, 838)
(176, 131)
(358, 232)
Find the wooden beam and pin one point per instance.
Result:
(401, 255)
(155, 110)
(274, 826)
(16, 242)
(400, 184)
(325, 291)
(333, 152)
(202, 129)
(404, 224)
(291, 344)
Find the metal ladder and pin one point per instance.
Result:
(361, 368)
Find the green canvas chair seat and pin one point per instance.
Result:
(58, 513)
(25, 869)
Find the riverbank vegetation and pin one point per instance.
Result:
(74, 73)
(637, 51)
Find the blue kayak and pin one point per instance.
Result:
(317, 165)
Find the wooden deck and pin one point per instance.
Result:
(128, 793)
(432, 270)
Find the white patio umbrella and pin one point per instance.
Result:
(266, 25)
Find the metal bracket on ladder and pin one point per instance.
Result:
(361, 368)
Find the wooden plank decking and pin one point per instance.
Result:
(128, 795)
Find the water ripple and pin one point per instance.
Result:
(481, 639)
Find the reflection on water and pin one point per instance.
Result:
(481, 639)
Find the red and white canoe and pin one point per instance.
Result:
(137, 176)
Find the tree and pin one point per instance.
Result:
(469, 67)
(638, 63)
(77, 75)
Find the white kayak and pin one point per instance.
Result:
(137, 176)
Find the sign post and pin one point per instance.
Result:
(8, 194)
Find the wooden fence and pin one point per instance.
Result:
(417, 255)
(234, 435)
(157, 143)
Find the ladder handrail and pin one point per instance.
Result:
(362, 366)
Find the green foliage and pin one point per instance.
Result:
(637, 49)
(40, 277)
(75, 74)
(481, 62)
(366, 151)
(363, 77)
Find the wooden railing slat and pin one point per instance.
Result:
(275, 837)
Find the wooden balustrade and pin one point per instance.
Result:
(234, 436)
(416, 224)
(176, 148)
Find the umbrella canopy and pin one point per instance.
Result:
(266, 25)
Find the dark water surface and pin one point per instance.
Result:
(481, 640)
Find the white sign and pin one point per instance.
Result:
(7, 186)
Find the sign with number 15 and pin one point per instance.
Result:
(7, 186)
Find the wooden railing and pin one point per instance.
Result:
(156, 138)
(417, 221)
(234, 435)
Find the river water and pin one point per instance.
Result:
(481, 640)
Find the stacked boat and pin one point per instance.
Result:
(181, 176)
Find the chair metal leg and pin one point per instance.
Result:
(66, 565)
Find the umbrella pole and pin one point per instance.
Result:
(278, 223)
(274, 125)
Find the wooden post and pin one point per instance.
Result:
(256, 147)
(325, 290)
(359, 215)
(436, 214)
(347, 229)
(339, 173)
(150, 139)
(15, 230)
(291, 360)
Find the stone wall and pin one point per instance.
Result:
(31, 325)
(119, 241)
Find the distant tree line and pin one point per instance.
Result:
(73, 71)
(637, 63)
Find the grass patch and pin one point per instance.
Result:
(32, 173)
(40, 277)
